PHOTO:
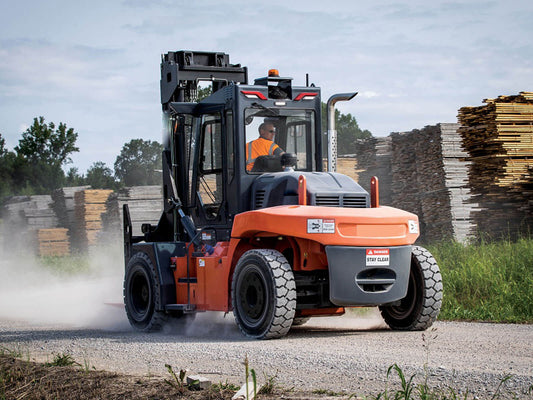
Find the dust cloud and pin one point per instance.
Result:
(32, 292)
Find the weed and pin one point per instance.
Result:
(246, 373)
(178, 380)
(327, 392)
(502, 381)
(407, 385)
(16, 353)
(87, 366)
(226, 386)
(270, 384)
(62, 360)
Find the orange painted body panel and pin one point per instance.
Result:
(382, 226)
(211, 291)
(323, 312)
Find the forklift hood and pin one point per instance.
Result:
(383, 226)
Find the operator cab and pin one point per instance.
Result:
(294, 134)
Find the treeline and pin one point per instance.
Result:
(36, 164)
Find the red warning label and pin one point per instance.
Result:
(377, 257)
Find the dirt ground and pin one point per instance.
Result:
(27, 380)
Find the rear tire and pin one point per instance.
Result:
(300, 321)
(263, 294)
(141, 294)
(420, 308)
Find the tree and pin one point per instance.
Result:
(41, 142)
(40, 154)
(3, 149)
(139, 163)
(348, 131)
(99, 176)
(74, 178)
(204, 92)
(6, 169)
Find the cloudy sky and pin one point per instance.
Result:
(95, 65)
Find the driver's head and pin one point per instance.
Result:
(267, 130)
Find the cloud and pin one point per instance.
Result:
(37, 68)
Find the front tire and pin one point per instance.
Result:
(141, 294)
(420, 308)
(263, 294)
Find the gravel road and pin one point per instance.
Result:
(342, 354)
(42, 314)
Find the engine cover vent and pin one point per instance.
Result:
(259, 199)
(346, 200)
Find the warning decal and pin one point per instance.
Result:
(320, 226)
(377, 257)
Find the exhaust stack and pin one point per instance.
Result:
(332, 133)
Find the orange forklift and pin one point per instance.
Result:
(276, 244)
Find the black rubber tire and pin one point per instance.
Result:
(263, 294)
(300, 321)
(141, 294)
(420, 308)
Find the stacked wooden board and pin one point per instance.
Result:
(498, 137)
(22, 217)
(89, 205)
(406, 192)
(145, 204)
(424, 172)
(53, 242)
(347, 165)
(75, 218)
(63, 204)
(374, 159)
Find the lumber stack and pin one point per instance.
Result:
(22, 217)
(424, 172)
(406, 192)
(144, 202)
(374, 159)
(89, 205)
(498, 137)
(346, 165)
(63, 204)
(30, 212)
(442, 179)
(53, 242)
(456, 168)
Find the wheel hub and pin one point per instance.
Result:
(252, 296)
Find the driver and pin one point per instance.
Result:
(262, 146)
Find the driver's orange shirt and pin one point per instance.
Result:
(260, 147)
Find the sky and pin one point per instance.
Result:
(96, 65)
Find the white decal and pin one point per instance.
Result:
(379, 257)
(413, 226)
(320, 226)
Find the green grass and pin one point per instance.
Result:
(66, 265)
(486, 281)
(409, 390)
(62, 360)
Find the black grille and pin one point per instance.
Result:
(259, 199)
(354, 201)
(348, 201)
(327, 200)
